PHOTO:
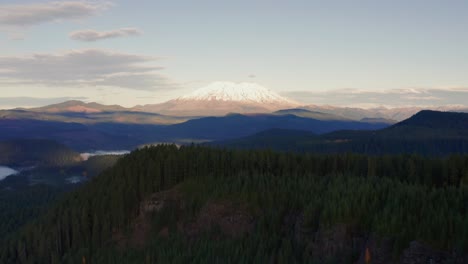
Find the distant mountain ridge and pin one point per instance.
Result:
(437, 119)
(397, 113)
(234, 125)
(426, 133)
(78, 107)
(216, 99)
(88, 113)
(300, 112)
(115, 135)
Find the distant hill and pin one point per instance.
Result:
(74, 135)
(89, 113)
(309, 114)
(237, 125)
(116, 135)
(75, 106)
(427, 133)
(124, 117)
(398, 113)
(32, 152)
(280, 139)
(378, 120)
(439, 132)
(437, 120)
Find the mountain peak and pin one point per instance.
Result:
(236, 92)
(221, 98)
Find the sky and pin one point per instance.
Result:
(346, 53)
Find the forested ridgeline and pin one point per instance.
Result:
(427, 133)
(33, 152)
(283, 205)
(362, 142)
(20, 206)
(27, 195)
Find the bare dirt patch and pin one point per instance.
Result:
(233, 221)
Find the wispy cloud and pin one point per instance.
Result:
(85, 68)
(36, 13)
(390, 98)
(90, 35)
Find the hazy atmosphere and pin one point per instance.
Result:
(242, 131)
(375, 53)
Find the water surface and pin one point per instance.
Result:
(6, 171)
(87, 155)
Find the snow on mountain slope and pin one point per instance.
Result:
(220, 98)
(238, 92)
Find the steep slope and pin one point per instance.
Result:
(221, 98)
(436, 120)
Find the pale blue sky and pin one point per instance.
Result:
(292, 47)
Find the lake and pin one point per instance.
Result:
(6, 171)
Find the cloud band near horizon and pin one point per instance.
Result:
(85, 68)
(421, 97)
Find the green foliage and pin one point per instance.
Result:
(428, 133)
(18, 207)
(402, 197)
(31, 152)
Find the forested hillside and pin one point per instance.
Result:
(200, 205)
(94, 133)
(429, 133)
(27, 195)
(32, 152)
(22, 205)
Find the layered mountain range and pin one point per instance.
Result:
(161, 202)
(216, 99)
(220, 111)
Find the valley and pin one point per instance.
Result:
(225, 132)
(287, 185)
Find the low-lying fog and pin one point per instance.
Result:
(85, 156)
(6, 171)
(75, 179)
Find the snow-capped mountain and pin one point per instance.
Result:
(220, 98)
(237, 92)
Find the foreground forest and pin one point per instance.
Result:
(195, 204)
